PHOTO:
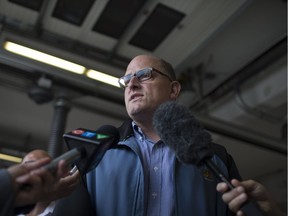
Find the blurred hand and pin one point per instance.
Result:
(248, 190)
(63, 187)
(33, 183)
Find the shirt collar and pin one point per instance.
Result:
(137, 129)
(139, 135)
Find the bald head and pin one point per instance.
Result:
(159, 63)
(35, 155)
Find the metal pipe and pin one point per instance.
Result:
(61, 109)
(239, 133)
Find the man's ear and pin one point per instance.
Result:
(175, 89)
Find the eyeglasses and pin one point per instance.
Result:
(141, 75)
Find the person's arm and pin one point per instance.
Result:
(7, 193)
(248, 190)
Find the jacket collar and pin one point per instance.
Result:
(125, 130)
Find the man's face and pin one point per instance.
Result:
(144, 97)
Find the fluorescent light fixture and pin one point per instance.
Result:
(43, 57)
(102, 77)
(10, 158)
(60, 63)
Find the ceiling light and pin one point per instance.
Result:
(10, 158)
(43, 57)
(103, 77)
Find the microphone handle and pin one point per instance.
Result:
(249, 208)
(212, 166)
(70, 156)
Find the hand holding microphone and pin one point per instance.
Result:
(85, 151)
(249, 190)
(177, 128)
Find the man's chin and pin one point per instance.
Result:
(136, 111)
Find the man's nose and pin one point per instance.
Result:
(133, 82)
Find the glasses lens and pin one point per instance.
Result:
(141, 75)
(144, 74)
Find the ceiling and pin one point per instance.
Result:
(230, 56)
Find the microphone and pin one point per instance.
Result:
(186, 136)
(93, 145)
(182, 133)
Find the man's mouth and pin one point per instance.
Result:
(135, 96)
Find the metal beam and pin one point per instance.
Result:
(251, 137)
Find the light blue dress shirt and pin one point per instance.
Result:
(158, 161)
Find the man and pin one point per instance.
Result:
(141, 176)
(63, 188)
(23, 184)
(249, 190)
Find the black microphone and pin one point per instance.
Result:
(95, 144)
(186, 136)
